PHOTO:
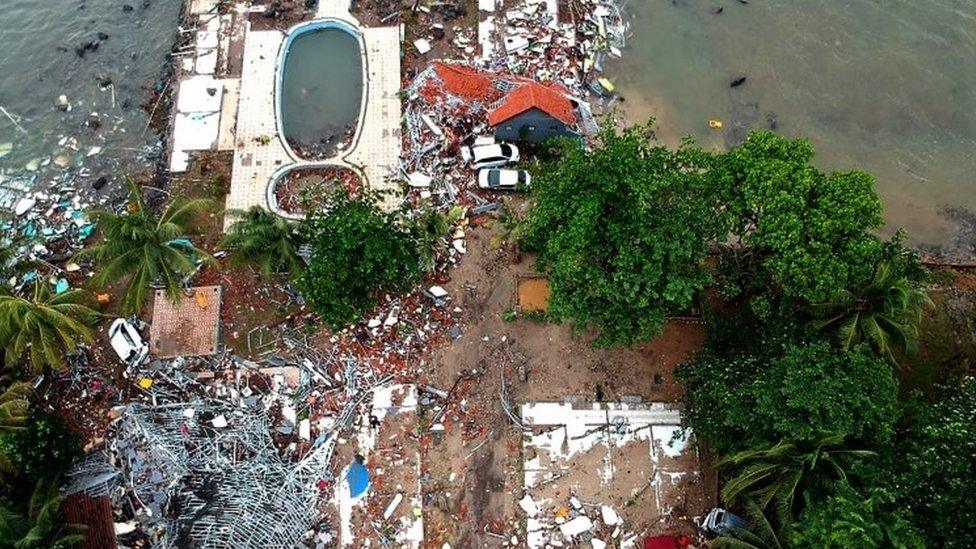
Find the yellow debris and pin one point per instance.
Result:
(715, 123)
(145, 383)
(202, 300)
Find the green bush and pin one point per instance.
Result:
(46, 448)
(358, 251)
(786, 389)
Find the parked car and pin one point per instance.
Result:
(127, 342)
(499, 179)
(720, 522)
(490, 156)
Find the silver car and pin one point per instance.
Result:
(499, 179)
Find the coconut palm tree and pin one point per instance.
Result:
(42, 526)
(44, 326)
(761, 533)
(146, 249)
(15, 407)
(886, 313)
(778, 473)
(11, 261)
(264, 239)
(14, 416)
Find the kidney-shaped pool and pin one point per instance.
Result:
(321, 88)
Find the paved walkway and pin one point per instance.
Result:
(259, 151)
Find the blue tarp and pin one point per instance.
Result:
(358, 479)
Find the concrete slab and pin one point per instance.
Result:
(201, 93)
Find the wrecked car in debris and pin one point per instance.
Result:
(720, 522)
(127, 342)
(490, 156)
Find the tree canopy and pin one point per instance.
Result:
(938, 459)
(885, 314)
(784, 389)
(811, 231)
(622, 231)
(41, 328)
(357, 251)
(777, 475)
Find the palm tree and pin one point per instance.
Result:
(780, 472)
(432, 228)
(11, 261)
(45, 326)
(761, 533)
(42, 526)
(265, 239)
(886, 313)
(14, 406)
(14, 416)
(146, 249)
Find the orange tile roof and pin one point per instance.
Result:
(466, 82)
(534, 95)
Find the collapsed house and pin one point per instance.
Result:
(215, 470)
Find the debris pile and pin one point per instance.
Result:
(641, 458)
(553, 40)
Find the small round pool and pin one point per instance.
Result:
(296, 190)
(321, 88)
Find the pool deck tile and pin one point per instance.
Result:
(258, 149)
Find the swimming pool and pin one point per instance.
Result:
(320, 88)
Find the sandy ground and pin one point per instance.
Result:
(474, 466)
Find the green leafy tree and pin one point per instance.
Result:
(46, 447)
(44, 326)
(779, 473)
(264, 239)
(145, 249)
(938, 458)
(14, 417)
(785, 389)
(886, 313)
(357, 251)
(42, 526)
(622, 232)
(854, 519)
(763, 533)
(810, 231)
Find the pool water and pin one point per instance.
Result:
(321, 90)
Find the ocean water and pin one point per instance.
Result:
(887, 86)
(104, 131)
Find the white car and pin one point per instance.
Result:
(127, 342)
(498, 179)
(490, 156)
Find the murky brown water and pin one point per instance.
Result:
(888, 87)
